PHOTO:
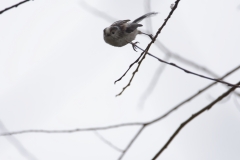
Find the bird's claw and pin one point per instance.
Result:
(134, 46)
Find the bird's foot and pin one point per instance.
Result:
(134, 45)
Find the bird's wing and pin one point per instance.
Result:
(131, 27)
(120, 22)
(144, 16)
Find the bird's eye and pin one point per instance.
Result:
(113, 32)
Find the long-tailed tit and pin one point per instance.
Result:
(123, 32)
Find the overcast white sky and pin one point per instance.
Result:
(56, 72)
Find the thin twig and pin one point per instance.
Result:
(119, 79)
(149, 45)
(13, 6)
(208, 107)
(131, 142)
(71, 130)
(107, 142)
(176, 56)
(190, 72)
(129, 83)
(162, 66)
(188, 62)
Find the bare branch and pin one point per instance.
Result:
(188, 62)
(119, 79)
(149, 45)
(72, 130)
(208, 107)
(132, 141)
(222, 101)
(107, 142)
(160, 69)
(13, 6)
(189, 72)
(130, 81)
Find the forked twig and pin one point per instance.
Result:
(119, 79)
(131, 142)
(190, 72)
(149, 45)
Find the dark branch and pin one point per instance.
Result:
(143, 125)
(189, 72)
(149, 45)
(131, 142)
(208, 107)
(15, 5)
(119, 79)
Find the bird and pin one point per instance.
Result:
(123, 32)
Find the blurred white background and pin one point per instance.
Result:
(56, 72)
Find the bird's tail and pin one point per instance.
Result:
(144, 16)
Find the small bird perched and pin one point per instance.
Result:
(121, 32)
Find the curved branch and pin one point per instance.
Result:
(13, 6)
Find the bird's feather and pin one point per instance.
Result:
(144, 16)
(132, 26)
(120, 22)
